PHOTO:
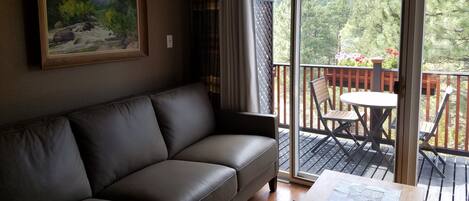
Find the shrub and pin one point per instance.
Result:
(354, 59)
(391, 60)
(121, 24)
(53, 14)
(121, 18)
(74, 11)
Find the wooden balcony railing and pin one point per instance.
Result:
(453, 132)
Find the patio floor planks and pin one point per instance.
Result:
(368, 163)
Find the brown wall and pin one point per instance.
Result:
(27, 92)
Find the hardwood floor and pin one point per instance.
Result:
(285, 192)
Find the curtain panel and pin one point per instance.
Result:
(238, 71)
(210, 27)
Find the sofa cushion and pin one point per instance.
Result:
(249, 155)
(175, 181)
(185, 116)
(118, 139)
(41, 161)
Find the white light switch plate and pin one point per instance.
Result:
(169, 41)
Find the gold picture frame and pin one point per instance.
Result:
(78, 32)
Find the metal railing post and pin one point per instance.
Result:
(376, 113)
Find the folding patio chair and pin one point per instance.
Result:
(345, 119)
(427, 131)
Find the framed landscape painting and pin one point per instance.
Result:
(76, 32)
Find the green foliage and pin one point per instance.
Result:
(321, 24)
(74, 11)
(373, 26)
(53, 14)
(282, 23)
(391, 63)
(322, 21)
(370, 27)
(447, 34)
(121, 18)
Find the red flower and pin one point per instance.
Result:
(360, 59)
(392, 52)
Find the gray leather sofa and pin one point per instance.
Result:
(162, 147)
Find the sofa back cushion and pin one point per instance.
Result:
(185, 116)
(118, 139)
(41, 161)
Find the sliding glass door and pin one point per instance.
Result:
(351, 50)
(443, 161)
(352, 47)
(281, 80)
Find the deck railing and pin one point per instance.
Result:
(453, 132)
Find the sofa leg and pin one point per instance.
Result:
(273, 184)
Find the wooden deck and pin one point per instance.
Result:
(369, 164)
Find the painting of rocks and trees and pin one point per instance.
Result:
(80, 26)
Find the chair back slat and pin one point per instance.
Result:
(441, 108)
(426, 134)
(320, 90)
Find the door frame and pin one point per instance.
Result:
(411, 45)
(295, 44)
(410, 75)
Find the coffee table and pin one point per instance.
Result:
(327, 182)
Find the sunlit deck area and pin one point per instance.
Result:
(368, 163)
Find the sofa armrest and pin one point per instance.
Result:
(247, 123)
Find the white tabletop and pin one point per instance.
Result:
(329, 180)
(370, 99)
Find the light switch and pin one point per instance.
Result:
(169, 41)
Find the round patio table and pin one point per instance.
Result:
(373, 100)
